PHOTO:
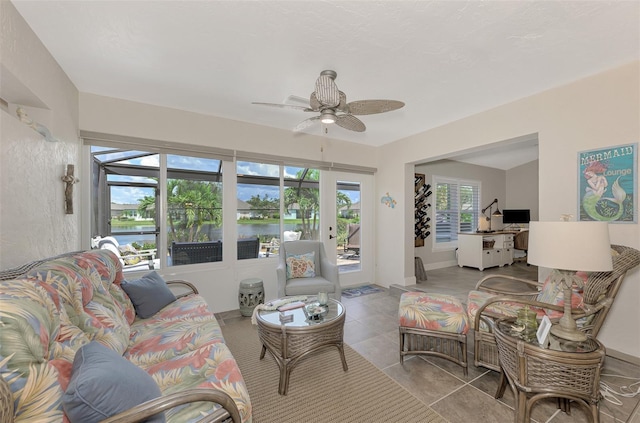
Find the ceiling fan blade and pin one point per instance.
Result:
(350, 122)
(313, 102)
(285, 106)
(306, 123)
(342, 106)
(370, 107)
(327, 91)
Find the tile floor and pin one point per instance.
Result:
(371, 328)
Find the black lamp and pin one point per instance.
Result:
(495, 213)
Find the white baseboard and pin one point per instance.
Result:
(623, 357)
(410, 280)
(440, 265)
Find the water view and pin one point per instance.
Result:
(264, 231)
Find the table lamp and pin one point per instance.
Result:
(567, 247)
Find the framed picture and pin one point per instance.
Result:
(543, 330)
(608, 184)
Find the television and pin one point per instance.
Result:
(510, 216)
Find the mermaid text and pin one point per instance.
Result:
(606, 155)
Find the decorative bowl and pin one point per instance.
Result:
(315, 311)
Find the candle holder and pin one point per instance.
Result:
(323, 298)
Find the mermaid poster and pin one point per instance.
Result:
(607, 181)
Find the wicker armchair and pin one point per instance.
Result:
(598, 296)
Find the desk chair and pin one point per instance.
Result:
(521, 242)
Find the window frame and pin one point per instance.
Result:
(475, 211)
(228, 158)
(100, 200)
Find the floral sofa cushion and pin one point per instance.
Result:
(30, 360)
(65, 303)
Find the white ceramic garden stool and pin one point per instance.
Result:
(251, 294)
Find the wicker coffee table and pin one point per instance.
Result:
(291, 341)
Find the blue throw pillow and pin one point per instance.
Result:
(103, 384)
(148, 294)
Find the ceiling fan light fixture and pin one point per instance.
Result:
(328, 116)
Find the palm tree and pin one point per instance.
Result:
(191, 204)
(307, 200)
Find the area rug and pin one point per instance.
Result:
(319, 390)
(360, 291)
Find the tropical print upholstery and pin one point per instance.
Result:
(437, 312)
(553, 293)
(477, 299)
(68, 302)
(550, 293)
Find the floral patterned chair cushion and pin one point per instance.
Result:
(477, 299)
(550, 293)
(554, 294)
(437, 312)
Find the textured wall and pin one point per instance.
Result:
(33, 223)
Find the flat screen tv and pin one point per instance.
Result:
(510, 216)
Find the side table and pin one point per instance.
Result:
(250, 294)
(568, 370)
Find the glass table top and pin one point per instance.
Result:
(301, 317)
(554, 343)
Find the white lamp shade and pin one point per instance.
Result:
(570, 246)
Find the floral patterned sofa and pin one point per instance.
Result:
(53, 309)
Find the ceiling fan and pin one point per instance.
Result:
(332, 106)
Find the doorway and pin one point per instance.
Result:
(348, 208)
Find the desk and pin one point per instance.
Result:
(569, 370)
(485, 249)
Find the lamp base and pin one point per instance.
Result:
(570, 334)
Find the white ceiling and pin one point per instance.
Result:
(444, 59)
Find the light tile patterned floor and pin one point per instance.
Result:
(371, 328)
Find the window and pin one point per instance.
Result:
(302, 202)
(260, 203)
(194, 210)
(125, 208)
(457, 208)
(258, 213)
(159, 203)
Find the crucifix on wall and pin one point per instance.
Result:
(69, 181)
